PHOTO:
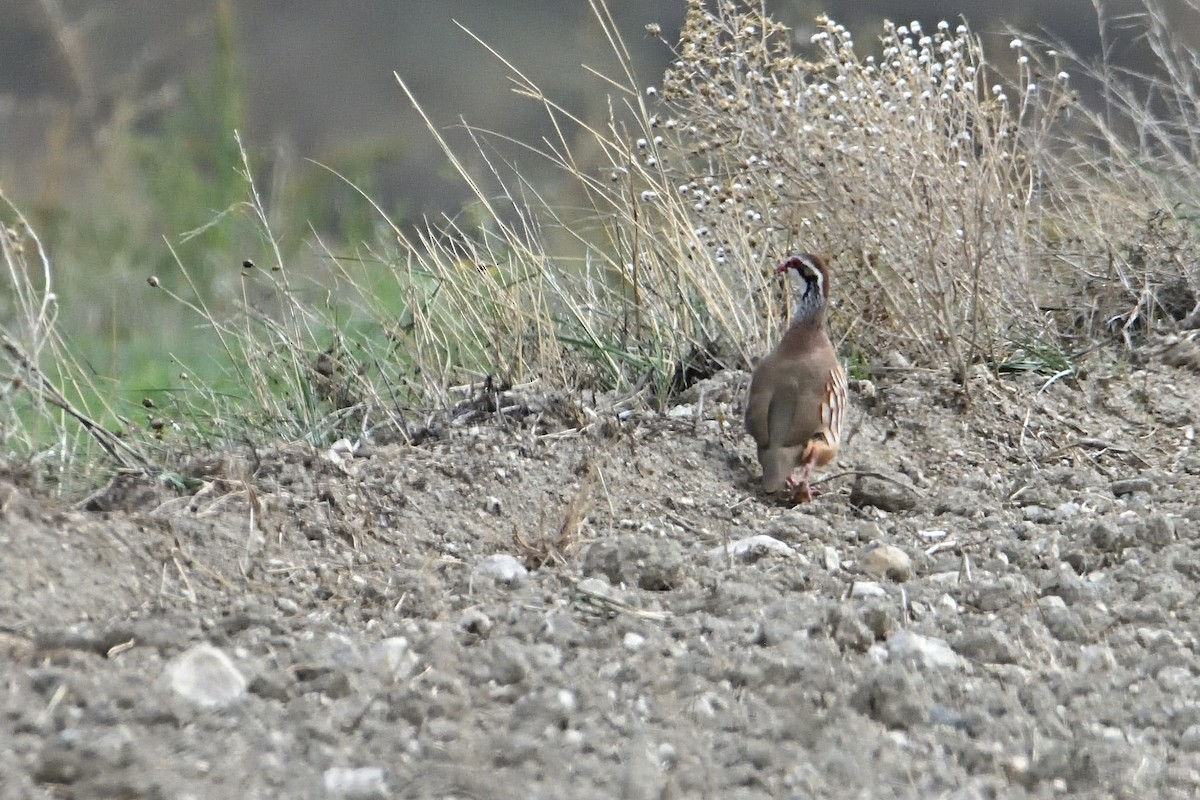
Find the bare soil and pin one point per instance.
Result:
(1031, 631)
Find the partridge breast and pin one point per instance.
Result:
(795, 411)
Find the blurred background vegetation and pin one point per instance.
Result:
(117, 125)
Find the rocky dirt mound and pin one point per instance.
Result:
(558, 600)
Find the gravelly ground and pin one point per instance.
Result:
(1021, 623)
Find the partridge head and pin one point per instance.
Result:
(798, 390)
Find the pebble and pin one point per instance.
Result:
(864, 388)
(987, 646)
(1107, 537)
(862, 589)
(507, 661)
(206, 677)
(598, 587)
(958, 500)
(1124, 486)
(796, 525)
(1065, 511)
(1158, 531)
(287, 605)
(886, 561)
(1174, 680)
(895, 696)
(833, 562)
(501, 567)
(1189, 741)
(393, 657)
(752, 548)
(1051, 602)
(270, 686)
(1095, 658)
(944, 715)
(922, 651)
(362, 783)
(948, 604)
(1038, 514)
(340, 451)
(883, 494)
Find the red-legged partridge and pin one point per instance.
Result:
(798, 390)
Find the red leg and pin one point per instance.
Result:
(802, 492)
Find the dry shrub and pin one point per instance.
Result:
(916, 170)
(1124, 185)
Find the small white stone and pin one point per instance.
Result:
(394, 658)
(753, 548)
(567, 700)
(597, 587)
(1095, 658)
(705, 705)
(833, 561)
(339, 451)
(206, 677)
(287, 605)
(363, 783)
(633, 642)
(923, 651)
(1067, 510)
(947, 603)
(1158, 640)
(502, 567)
(862, 589)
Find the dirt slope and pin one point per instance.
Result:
(1021, 624)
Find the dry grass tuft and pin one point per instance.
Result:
(45, 418)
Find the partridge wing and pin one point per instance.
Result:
(833, 404)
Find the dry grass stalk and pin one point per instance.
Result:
(547, 549)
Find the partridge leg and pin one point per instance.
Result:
(802, 492)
